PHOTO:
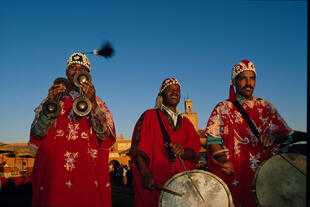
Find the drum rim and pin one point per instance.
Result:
(228, 193)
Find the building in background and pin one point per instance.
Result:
(17, 159)
(120, 150)
(193, 117)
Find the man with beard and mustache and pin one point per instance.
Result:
(154, 162)
(235, 151)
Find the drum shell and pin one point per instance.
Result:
(281, 181)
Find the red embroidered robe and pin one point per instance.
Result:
(71, 166)
(245, 150)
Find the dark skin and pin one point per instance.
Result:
(245, 83)
(171, 98)
(87, 87)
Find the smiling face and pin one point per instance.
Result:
(171, 96)
(245, 84)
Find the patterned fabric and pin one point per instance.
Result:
(71, 166)
(242, 66)
(79, 58)
(246, 152)
(167, 82)
(147, 141)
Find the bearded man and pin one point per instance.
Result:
(236, 148)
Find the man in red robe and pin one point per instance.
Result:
(228, 130)
(71, 166)
(152, 165)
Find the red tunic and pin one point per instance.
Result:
(148, 141)
(245, 150)
(71, 166)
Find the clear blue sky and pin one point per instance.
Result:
(197, 42)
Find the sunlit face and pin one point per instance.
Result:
(245, 83)
(73, 69)
(172, 95)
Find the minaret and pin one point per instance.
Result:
(189, 113)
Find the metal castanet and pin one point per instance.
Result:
(82, 105)
(51, 108)
(214, 191)
(81, 77)
(281, 181)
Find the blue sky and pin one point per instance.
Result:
(197, 42)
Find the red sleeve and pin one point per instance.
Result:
(34, 141)
(109, 142)
(143, 136)
(193, 138)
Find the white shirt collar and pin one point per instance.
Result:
(173, 115)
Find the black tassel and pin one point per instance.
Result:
(105, 51)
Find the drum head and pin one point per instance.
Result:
(214, 191)
(281, 181)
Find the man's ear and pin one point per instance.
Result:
(234, 82)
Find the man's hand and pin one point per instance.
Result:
(267, 139)
(177, 149)
(228, 168)
(274, 138)
(147, 180)
(56, 90)
(90, 92)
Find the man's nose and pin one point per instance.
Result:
(249, 81)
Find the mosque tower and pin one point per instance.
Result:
(189, 113)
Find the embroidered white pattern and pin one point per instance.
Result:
(62, 105)
(239, 139)
(59, 133)
(84, 135)
(254, 160)
(272, 127)
(237, 149)
(253, 139)
(226, 130)
(72, 128)
(250, 104)
(71, 117)
(93, 152)
(235, 182)
(69, 184)
(70, 159)
(238, 118)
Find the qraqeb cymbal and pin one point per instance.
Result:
(52, 108)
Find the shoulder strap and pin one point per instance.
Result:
(246, 118)
(166, 138)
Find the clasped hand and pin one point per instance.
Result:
(177, 149)
(268, 139)
(56, 90)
